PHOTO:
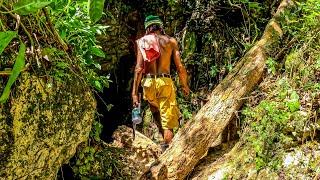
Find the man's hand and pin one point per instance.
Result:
(185, 90)
(135, 101)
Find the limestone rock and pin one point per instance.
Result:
(42, 124)
(140, 152)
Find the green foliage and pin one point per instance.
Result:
(96, 130)
(17, 68)
(99, 161)
(186, 111)
(303, 22)
(267, 121)
(172, 2)
(72, 20)
(274, 124)
(271, 64)
(284, 119)
(189, 44)
(95, 9)
(97, 51)
(6, 38)
(212, 46)
(61, 71)
(75, 27)
(25, 7)
(293, 104)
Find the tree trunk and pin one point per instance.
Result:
(192, 141)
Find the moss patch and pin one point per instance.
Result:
(42, 125)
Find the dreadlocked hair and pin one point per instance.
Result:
(153, 28)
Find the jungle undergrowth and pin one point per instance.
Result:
(77, 29)
(97, 160)
(214, 42)
(288, 116)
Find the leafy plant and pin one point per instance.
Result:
(95, 9)
(25, 7)
(96, 130)
(293, 103)
(17, 68)
(271, 64)
(76, 25)
(6, 38)
(267, 121)
(98, 161)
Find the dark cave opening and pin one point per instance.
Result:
(119, 95)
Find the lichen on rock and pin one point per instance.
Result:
(42, 124)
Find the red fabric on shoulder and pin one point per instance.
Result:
(149, 47)
(152, 54)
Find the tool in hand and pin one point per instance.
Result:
(136, 116)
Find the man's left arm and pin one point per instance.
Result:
(137, 78)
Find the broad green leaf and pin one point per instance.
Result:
(95, 9)
(17, 68)
(6, 38)
(98, 85)
(25, 7)
(98, 52)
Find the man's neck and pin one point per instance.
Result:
(155, 32)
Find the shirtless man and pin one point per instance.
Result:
(158, 87)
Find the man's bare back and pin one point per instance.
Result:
(162, 65)
(168, 48)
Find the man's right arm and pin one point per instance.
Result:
(180, 68)
(137, 78)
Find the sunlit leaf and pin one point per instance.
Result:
(95, 9)
(25, 7)
(98, 85)
(98, 52)
(97, 65)
(6, 38)
(17, 68)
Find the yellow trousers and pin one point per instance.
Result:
(160, 93)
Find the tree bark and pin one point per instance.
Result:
(192, 141)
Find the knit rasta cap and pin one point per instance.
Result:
(150, 20)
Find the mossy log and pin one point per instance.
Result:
(193, 141)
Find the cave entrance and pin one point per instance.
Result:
(118, 96)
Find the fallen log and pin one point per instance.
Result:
(193, 141)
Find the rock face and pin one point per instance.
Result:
(140, 152)
(42, 124)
